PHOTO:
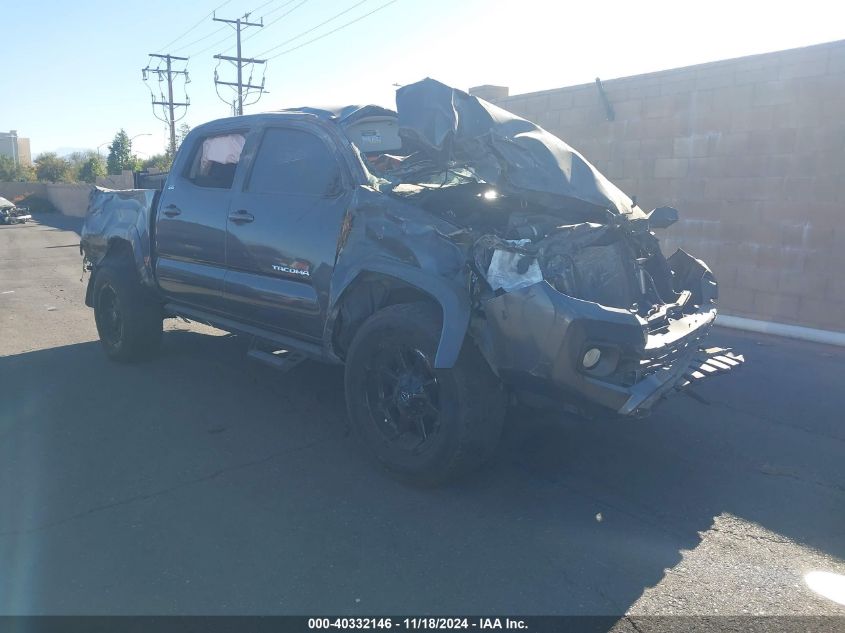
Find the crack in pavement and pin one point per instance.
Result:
(633, 623)
(165, 491)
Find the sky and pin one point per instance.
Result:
(73, 75)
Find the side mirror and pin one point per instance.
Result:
(662, 217)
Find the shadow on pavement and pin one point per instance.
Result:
(59, 221)
(200, 482)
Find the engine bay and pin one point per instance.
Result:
(600, 257)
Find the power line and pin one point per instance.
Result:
(219, 42)
(197, 41)
(204, 18)
(342, 26)
(284, 15)
(223, 28)
(167, 104)
(260, 90)
(258, 8)
(279, 8)
(239, 61)
(334, 17)
(210, 46)
(226, 39)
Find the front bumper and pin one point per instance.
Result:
(699, 364)
(535, 338)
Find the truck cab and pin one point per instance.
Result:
(249, 218)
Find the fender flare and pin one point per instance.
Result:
(451, 296)
(140, 255)
(140, 259)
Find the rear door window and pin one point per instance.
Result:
(216, 160)
(294, 162)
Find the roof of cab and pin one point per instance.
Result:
(342, 115)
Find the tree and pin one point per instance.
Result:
(86, 166)
(181, 133)
(92, 167)
(51, 167)
(10, 171)
(161, 162)
(120, 154)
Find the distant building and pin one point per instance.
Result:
(15, 147)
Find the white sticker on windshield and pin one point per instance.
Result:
(372, 137)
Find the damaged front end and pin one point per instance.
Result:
(572, 299)
(611, 323)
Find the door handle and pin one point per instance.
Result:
(171, 210)
(241, 217)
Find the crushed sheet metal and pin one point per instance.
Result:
(505, 150)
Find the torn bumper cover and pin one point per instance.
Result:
(538, 339)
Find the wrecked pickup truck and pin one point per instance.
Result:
(452, 255)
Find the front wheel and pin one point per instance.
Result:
(427, 425)
(128, 320)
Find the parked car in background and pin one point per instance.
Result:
(11, 214)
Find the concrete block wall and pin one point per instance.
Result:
(126, 180)
(13, 190)
(67, 198)
(752, 153)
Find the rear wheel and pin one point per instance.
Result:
(428, 425)
(128, 319)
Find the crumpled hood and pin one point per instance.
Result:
(503, 149)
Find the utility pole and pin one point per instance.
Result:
(168, 73)
(239, 61)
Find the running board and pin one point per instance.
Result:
(269, 340)
(283, 359)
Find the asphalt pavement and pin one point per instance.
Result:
(200, 482)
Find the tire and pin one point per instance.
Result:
(129, 320)
(426, 425)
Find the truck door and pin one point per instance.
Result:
(190, 231)
(282, 232)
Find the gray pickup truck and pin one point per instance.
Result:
(454, 257)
